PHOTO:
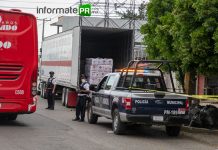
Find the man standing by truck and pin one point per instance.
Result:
(83, 95)
(50, 91)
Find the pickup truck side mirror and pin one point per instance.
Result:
(93, 88)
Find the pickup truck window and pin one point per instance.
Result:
(143, 82)
(110, 82)
(126, 83)
(102, 83)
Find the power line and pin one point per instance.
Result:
(35, 2)
(17, 7)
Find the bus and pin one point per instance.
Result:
(18, 63)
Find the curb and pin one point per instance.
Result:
(199, 130)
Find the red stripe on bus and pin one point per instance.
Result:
(57, 63)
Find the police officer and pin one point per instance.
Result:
(51, 91)
(83, 94)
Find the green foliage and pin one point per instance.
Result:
(140, 15)
(185, 31)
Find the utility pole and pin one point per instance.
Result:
(44, 20)
(106, 13)
(80, 17)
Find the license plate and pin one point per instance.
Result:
(158, 118)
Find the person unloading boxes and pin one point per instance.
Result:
(83, 95)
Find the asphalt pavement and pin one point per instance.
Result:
(55, 130)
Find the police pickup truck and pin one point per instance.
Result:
(139, 95)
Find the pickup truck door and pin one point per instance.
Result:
(106, 96)
(97, 96)
(102, 98)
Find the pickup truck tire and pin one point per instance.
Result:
(173, 130)
(12, 117)
(92, 118)
(117, 126)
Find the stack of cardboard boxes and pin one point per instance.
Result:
(97, 68)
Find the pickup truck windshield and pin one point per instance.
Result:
(143, 82)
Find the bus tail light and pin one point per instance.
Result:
(127, 102)
(34, 88)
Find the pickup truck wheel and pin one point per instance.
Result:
(92, 118)
(173, 130)
(117, 125)
(12, 117)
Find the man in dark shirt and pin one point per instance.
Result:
(83, 94)
(50, 91)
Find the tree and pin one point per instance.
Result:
(131, 15)
(184, 31)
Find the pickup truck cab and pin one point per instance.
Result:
(138, 97)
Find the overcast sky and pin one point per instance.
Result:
(31, 5)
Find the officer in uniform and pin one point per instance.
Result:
(51, 91)
(83, 95)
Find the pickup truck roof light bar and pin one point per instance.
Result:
(136, 67)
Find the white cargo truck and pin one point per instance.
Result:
(65, 54)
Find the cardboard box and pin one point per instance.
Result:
(100, 61)
(97, 68)
(109, 62)
(92, 61)
(106, 68)
(91, 68)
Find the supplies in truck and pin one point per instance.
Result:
(97, 68)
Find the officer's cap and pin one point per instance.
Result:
(83, 76)
(51, 72)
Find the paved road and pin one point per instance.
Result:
(54, 130)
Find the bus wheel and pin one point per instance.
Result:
(12, 117)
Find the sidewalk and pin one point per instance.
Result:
(206, 136)
(203, 135)
(204, 103)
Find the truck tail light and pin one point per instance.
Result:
(127, 102)
(187, 105)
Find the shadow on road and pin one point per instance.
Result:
(4, 122)
(106, 125)
(156, 132)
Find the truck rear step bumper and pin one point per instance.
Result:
(148, 119)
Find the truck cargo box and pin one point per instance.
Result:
(66, 53)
